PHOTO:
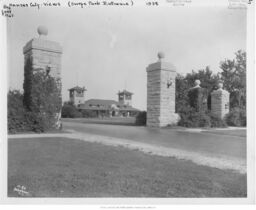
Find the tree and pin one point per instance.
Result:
(208, 80)
(181, 93)
(234, 77)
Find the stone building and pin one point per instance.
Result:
(220, 102)
(76, 95)
(125, 97)
(161, 93)
(104, 107)
(108, 108)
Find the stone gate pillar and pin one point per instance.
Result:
(43, 55)
(220, 102)
(197, 97)
(161, 93)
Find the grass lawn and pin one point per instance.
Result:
(59, 167)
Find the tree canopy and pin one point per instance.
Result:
(233, 76)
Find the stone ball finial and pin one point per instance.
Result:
(160, 55)
(197, 82)
(220, 85)
(42, 30)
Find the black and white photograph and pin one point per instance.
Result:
(125, 99)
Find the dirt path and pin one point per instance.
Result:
(207, 159)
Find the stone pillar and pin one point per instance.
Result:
(161, 93)
(220, 102)
(42, 55)
(197, 97)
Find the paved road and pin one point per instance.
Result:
(216, 144)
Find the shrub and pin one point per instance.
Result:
(16, 112)
(185, 116)
(141, 118)
(70, 111)
(88, 113)
(217, 122)
(37, 109)
(203, 120)
(243, 118)
(22, 120)
(197, 98)
(192, 119)
(35, 122)
(42, 98)
(236, 117)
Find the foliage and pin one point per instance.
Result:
(208, 81)
(217, 122)
(192, 119)
(197, 98)
(70, 111)
(37, 110)
(35, 122)
(88, 113)
(27, 85)
(181, 97)
(42, 98)
(21, 120)
(234, 77)
(141, 118)
(16, 112)
(236, 117)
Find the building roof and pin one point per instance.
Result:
(104, 102)
(125, 92)
(101, 104)
(77, 88)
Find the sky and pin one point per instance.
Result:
(107, 50)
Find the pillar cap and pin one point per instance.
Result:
(160, 55)
(42, 31)
(220, 85)
(197, 83)
(161, 65)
